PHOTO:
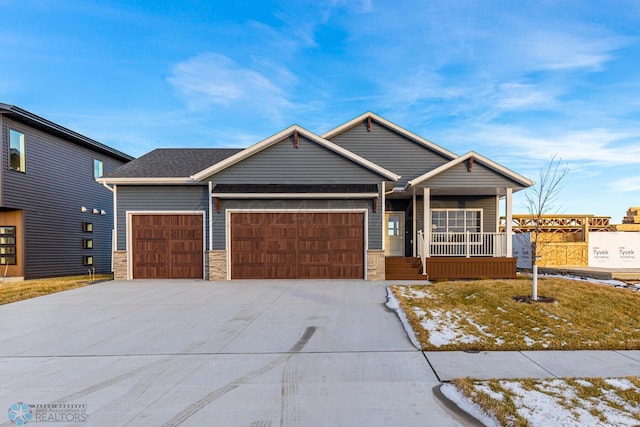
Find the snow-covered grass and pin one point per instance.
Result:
(482, 315)
(549, 402)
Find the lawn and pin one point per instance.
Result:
(483, 315)
(17, 291)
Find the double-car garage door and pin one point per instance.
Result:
(297, 245)
(264, 245)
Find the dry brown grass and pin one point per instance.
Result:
(585, 315)
(17, 291)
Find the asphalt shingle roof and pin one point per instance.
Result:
(172, 162)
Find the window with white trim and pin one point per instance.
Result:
(456, 220)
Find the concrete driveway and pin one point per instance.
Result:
(242, 353)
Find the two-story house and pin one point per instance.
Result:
(55, 219)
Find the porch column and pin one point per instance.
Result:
(509, 220)
(383, 202)
(427, 221)
(415, 230)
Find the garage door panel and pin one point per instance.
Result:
(298, 245)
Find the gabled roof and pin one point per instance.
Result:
(390, 125)
(278, 137)
(525, 182)
(166, 165)
(30, 119)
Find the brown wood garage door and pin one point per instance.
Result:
(309, 245)
(167, 246)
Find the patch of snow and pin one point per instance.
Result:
(528, 341)
(453, 394)
(555, 402)
(443, 327)
(409, 292)
(620, 383)
(488, 391)
(502, 309)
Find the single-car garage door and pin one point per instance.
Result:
(300, 245)
(167, 246)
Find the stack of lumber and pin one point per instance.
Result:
(631, 222)
(633, 216)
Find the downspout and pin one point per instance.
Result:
(210, 216)
(114, 234)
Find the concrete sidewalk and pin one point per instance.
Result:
(448, 365)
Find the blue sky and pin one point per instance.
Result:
(517, 82)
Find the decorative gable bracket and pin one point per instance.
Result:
(470, 163)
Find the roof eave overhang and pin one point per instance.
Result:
(146, 180)
(30, 119)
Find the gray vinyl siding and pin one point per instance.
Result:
(160, 198)
(479, 177)
(57, 183)
(486, 203)
(282, 163)
(390, 150)
(374, 226)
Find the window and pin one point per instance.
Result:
(393, 226)
(87, 227)
(87, 260)
(16, 151)
(87, 243)
(98, 168)
(456, 220)
(7, 245)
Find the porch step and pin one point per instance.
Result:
(399, 268)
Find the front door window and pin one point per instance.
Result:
(394, 244)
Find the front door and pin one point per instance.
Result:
(394, 239)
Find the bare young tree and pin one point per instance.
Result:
(541, 200)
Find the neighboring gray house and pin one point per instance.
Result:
(55, 219)
(350, 203)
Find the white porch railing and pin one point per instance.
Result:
(466, 244)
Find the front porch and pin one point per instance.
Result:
(453, 256)
(449, 268)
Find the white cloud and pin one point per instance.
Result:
(512, 96)
(555, 50)
(211, 79)
(596, 146)
(626, 185)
